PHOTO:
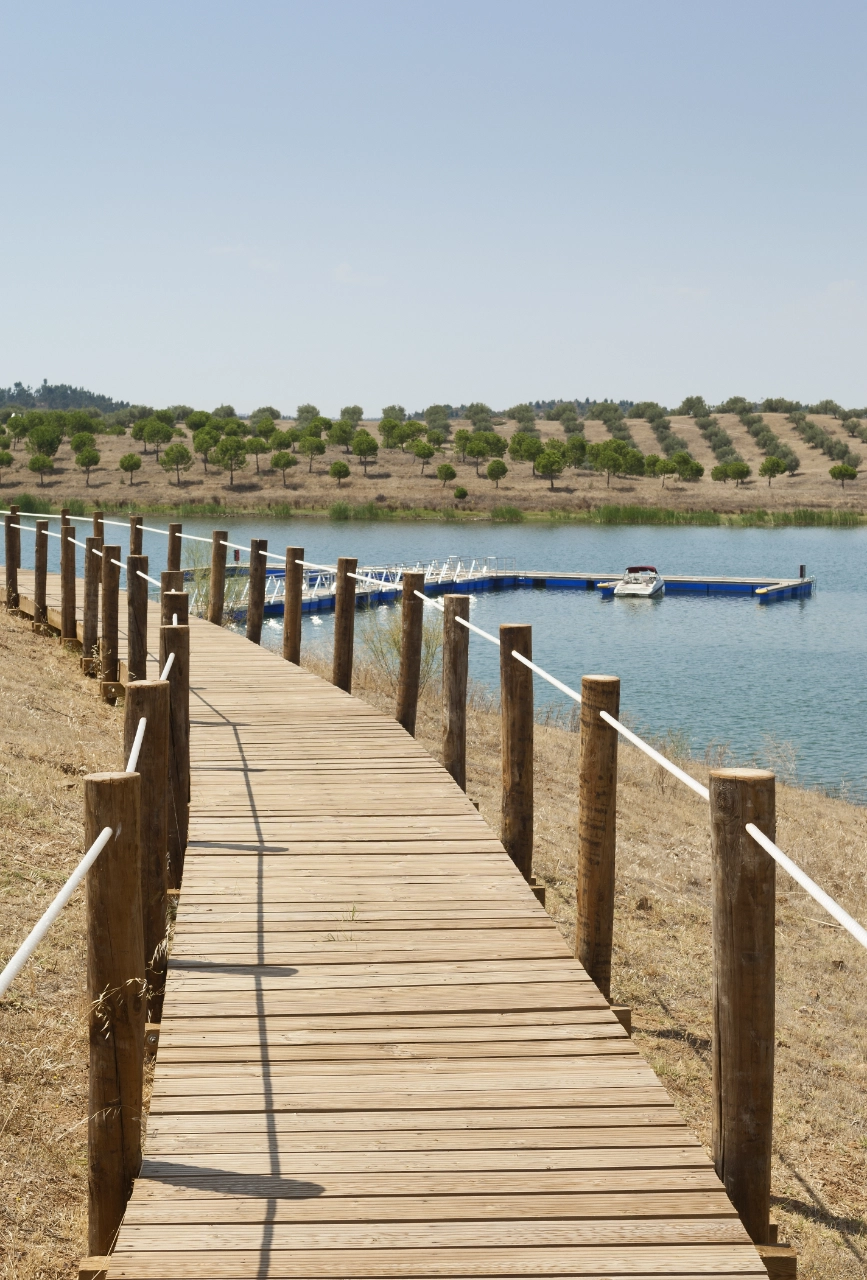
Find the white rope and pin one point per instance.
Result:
(94, 550)
(308, 564)
(558, 684)
(164, 675)
(39, 930)
(174, 619)
(469, 625)
(147, 579)
(136, 746)
(655, 755)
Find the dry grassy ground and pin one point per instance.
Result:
(53, 731)
(395, 481)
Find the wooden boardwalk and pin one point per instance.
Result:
(378, 1057)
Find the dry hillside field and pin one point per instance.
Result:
(395, 480)
(54, 730)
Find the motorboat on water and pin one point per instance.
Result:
(641, 580)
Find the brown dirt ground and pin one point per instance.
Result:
(395, 478)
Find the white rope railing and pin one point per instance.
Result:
(164, 674)
(136, 745)
(147, 579)
(39, 930)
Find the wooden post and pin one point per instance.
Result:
(40, 577)
(293, 591)
(597, 806)
(170, 580)
(137, 618)
(11, 561)
(217, 585)
(90, 615)
(115, 990)
(344, 623)
(108, 641)
(135, 535)
(411, 632)
(456, 656)
(516, 698)
(174, 604)
(99, 532)
(68, 633)
(173, 556)
(743, 888)
(256, 592)
(64, 516)
(176, 640)
(150, 698)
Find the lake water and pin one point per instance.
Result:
(778, 684)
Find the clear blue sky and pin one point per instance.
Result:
(427, 200)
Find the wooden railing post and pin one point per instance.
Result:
(135, 535)
(411, 633)
(176, 640)
(40, 577)
(68, 632)
(174, 604)
(108, 641)
(64, 516)
(116, 995)
(170, 580)
(217, 584)
(173, 555)
(137, 618)
(597, 809)
(743, 887)
(13, 557)
(150, 698)
(256, 592)
(90, 614)
(456, 657)
(292, 594)
(516, 697)
(99, 532)
(344, 623)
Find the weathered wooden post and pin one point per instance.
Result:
(40, 577)
(256, 592)
(13, 557)
(292, 594)
(68, 632)
(170, 580)
(217, 584)
(116, 994)
(64, 516)
(344, 623)
(108, 641)
(456, 657)
(176, 640)
(173, 555)
(174, 609)
(597, 808)
(137, 618)
(743, 888)
(99, 532)
(90, 614)
(411, 633)
(150, 698)
(516, 698)
(135, 535)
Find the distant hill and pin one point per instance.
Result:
(58, 396)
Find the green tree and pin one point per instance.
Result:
(364, 447)
(264, 411)
(305, 415)
(352, 413)
(497, 444)
(478, 448)
(525, 448)
(437, 417)
(841, 472)
(424, 452)
(550, 464)
(772, 467)
(721, 472)
(651, 464)
(576, 451)
(436, 437)
(739, 472)
(157, 434)
(445, 472)
(735, 404)
(395, 411)
(341, 433)
(496, 470)
(694, 406)
(18, 428)
(82, 440)
(460, 493)
(687, 467)
(166, 416)
(44, 439)
(283, 461)
(609, 456)
(224, 411)
(666, 468)
(339, 471)
(479, 415)
(320, 425)
(5, 459)
(312, 447)
(87, 459)
(461, 440)
(523, 414)
(286, 439)
(231, 453)
(129, 463)
(409, 431)
(264, 427)
(177, 458)
(606, 412)
(204, 440)
(197, 419)
(389, 430)
(257, 445)
(41, 462)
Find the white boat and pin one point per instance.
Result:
(641, 580)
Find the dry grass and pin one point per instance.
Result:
(394, 481)
(54, 730)
(662, 962)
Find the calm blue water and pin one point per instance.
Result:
(713, 669)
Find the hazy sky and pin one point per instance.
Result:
(430, 200)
